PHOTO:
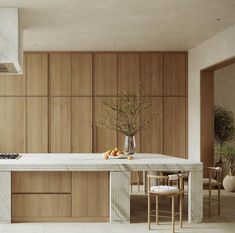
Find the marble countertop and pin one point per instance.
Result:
(95, 162)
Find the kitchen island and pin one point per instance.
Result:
(67, 180)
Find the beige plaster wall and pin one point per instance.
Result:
(218, 48)
(224, 87)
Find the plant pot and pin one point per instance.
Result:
(229, 183)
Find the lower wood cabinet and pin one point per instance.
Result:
(60, 196)
(90, 195)
(36, 207)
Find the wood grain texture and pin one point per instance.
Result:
(40, 182)
(207, 118)
(60, 124)
(128, 72)
(174, 74)
(13, 124)
(81, 74)
(90, 194)
(81, 124)
(105, 74)
(60, 74)
(151, 74)
(104, 139)
(13, 85)
(37, 124)
(41, 205)
(151, 137)
(174, 139)
(37, 74)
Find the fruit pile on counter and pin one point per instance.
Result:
(116, 154)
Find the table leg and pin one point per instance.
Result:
(120, 196)
(195, 197)
(5, 197)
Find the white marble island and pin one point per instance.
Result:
(119, 169)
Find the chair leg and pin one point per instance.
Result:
(181, 210)
(149, 217)
(173, 213)
(157, 211)
(209, 202)
(219, 200)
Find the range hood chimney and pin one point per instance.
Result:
(11, 53)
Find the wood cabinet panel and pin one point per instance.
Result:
(13, 85)
(207, 119)
(90, 194)
(151, 74)
(151, 137)
(175, 74)
(105, 74)
(13, 124)
(81, 74)
(128, 72)
(37, 124)
(37, 74)
(60, 124)
(174, 126)
(41, 182)
(60, 74)
(41, 205)
(81, 124)
(104, 138)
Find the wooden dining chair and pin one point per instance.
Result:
(213, 182)
(167, 190)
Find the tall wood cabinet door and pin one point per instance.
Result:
(60, 124)
(105, 74)
(37, 124)
(81, 124)
(175, 126)
(128, 72)
(81, 74)
(13, 85)
(151, 74)
(175, 74)
(104, 138)
(60, 74)
(90, 194)
(37, 74)
(13, 124)
(151, 137)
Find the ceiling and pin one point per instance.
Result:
(101, 25)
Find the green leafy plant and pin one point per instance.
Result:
(223, 126)
(122, 113)
(227, 152)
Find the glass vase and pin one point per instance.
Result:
(129, 145)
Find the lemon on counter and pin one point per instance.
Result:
(130, 157)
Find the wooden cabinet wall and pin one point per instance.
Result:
(55, 105)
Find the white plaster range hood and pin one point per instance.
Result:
(11, 53)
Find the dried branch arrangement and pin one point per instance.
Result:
(122, 113)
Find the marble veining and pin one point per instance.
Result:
(95, 162)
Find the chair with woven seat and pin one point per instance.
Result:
(160, 190)
(213, 182)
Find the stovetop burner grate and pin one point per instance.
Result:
(9, 155)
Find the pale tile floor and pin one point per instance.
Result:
(223, 224)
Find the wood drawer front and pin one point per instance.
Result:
(41, 205)
(41, 182)
(90, 194)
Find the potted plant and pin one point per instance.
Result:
(126, 108)
(223, 127)
(227, 151)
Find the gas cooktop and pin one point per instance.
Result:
(9, 156)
